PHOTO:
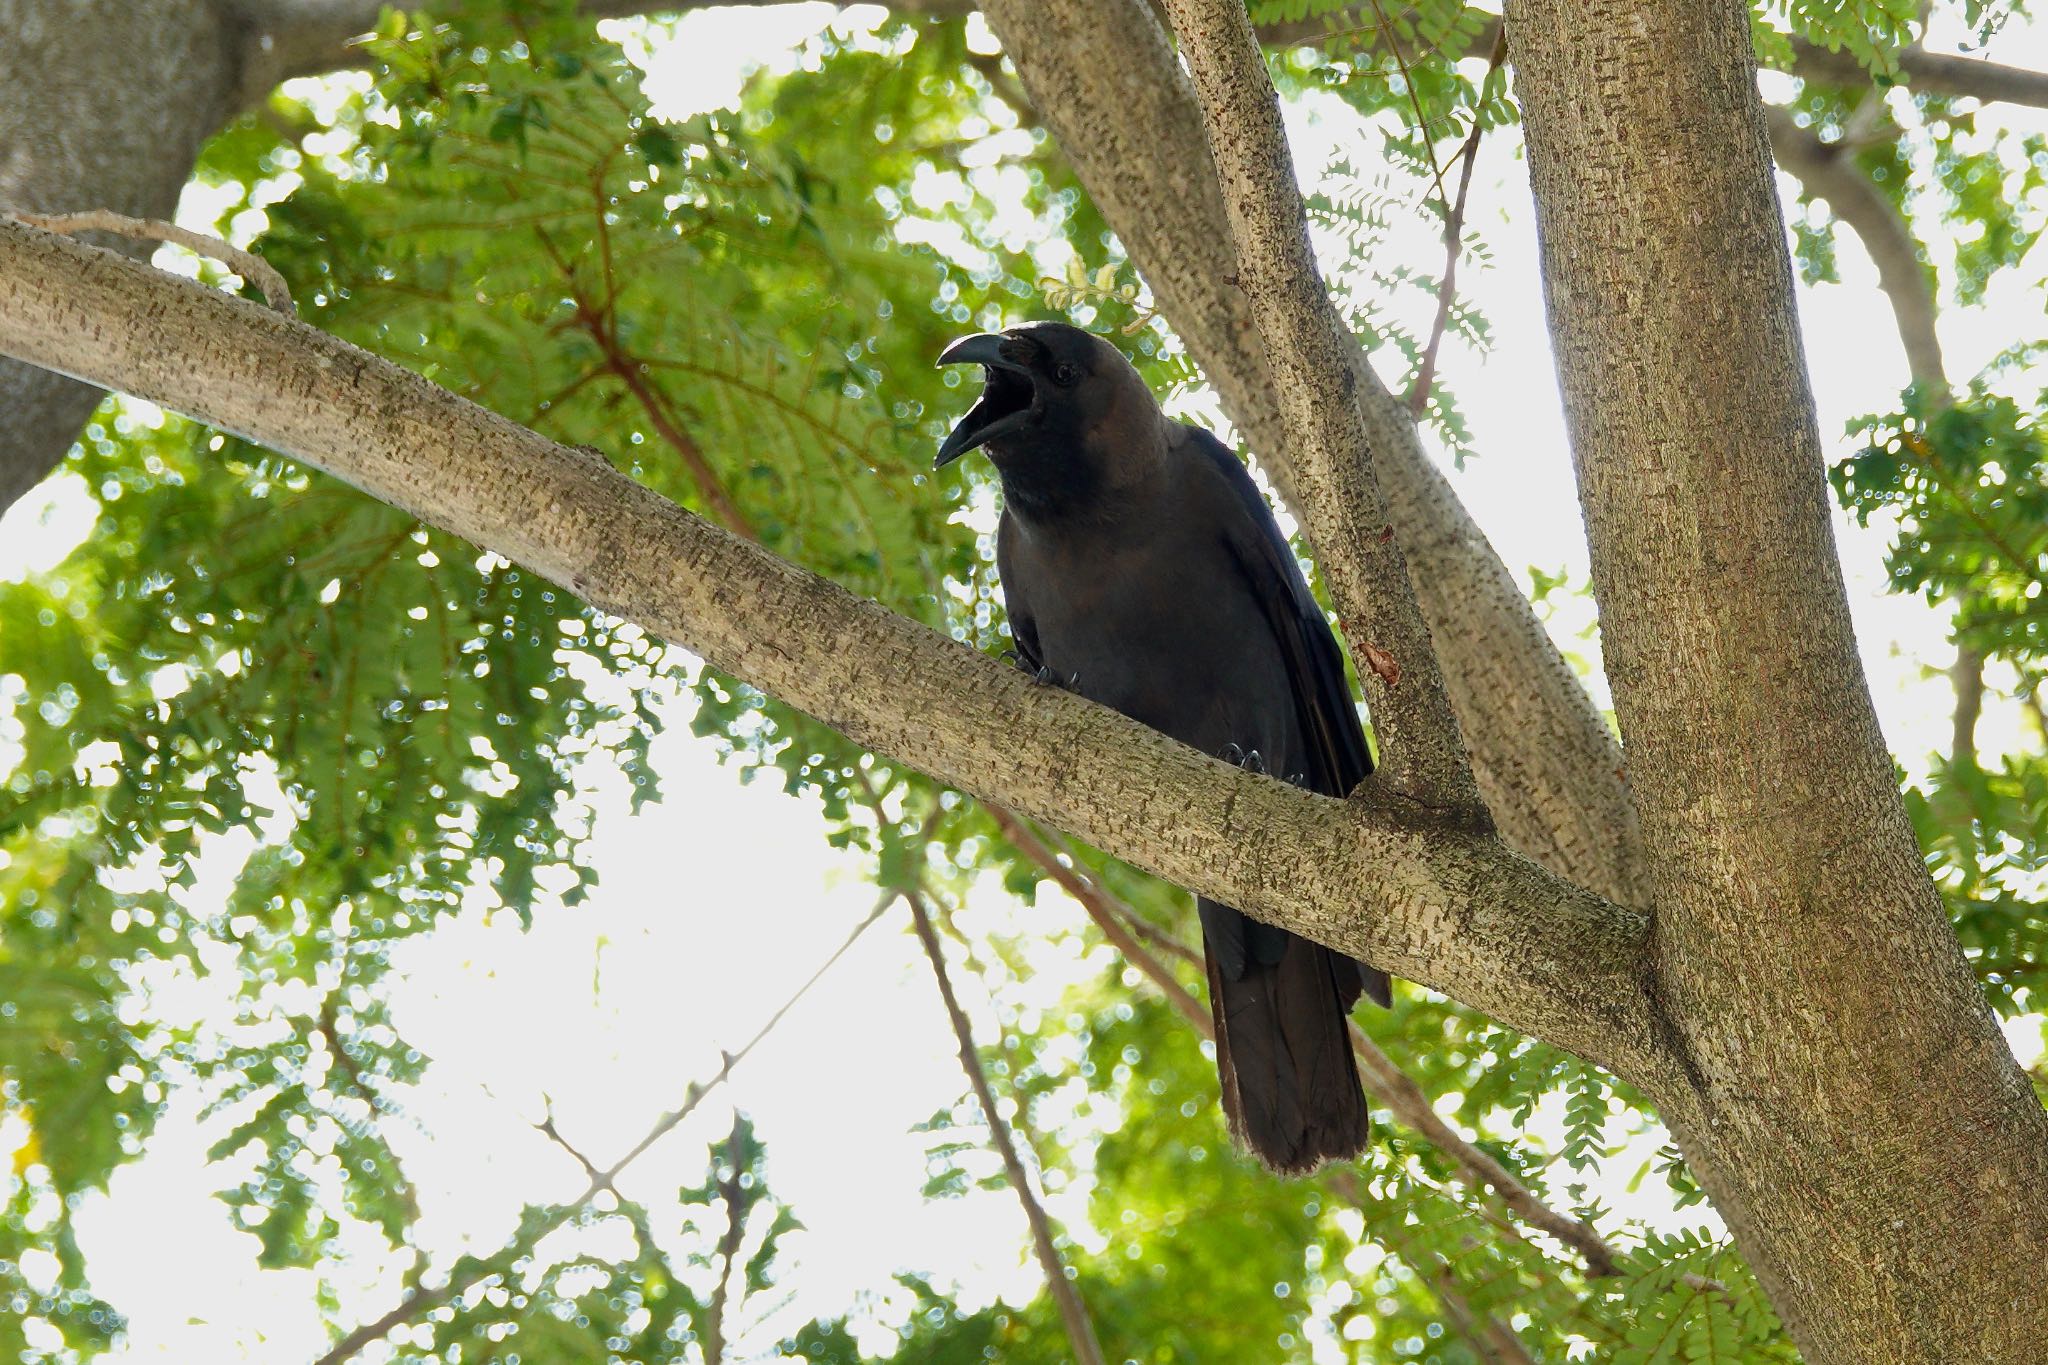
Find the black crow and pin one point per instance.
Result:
(1143, 570)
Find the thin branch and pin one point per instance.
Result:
(1106, 910)
(546, 1128)
(1966, 675)
(1384, 1079)
(422, 1301)
(1073, 1312)
(1312, 353)
(728, 1251)
(1830, 175)
(1454, 235)
(1394, 1088)
(248, 265)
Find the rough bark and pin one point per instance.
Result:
(1110, 88)
(1310, 351)
(1435, 903)
(1850, 1103)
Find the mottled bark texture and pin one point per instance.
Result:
(1850, 1103)
(1109, 86)
(1431, 900)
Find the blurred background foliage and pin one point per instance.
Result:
(387, 726)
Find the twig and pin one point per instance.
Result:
(546, 1128)
(1073, 1312)
(1454, 234)
(249, 266)
(729, 1191)
(1404, 1098)
(426, 1300)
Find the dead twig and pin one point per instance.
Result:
(248, 265)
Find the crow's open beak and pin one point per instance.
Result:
(1008, 399)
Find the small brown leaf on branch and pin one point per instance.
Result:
(1382, 663)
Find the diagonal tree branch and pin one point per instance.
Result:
(1310, 350)
(1928, 73)
(1434, 902)
(1829, 174)
(1073, 1312)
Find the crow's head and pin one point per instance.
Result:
(1053, 395)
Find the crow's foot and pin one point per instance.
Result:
(1247, 759)
(1045, 677)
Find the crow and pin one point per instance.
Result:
(1142, 569)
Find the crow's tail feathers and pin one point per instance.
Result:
(1283, 1051)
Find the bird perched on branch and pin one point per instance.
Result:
(1143, 570)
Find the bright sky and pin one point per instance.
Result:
(716, 904)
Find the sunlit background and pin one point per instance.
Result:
(717, 903)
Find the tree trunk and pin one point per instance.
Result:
(1847, 1098)
(103, 104)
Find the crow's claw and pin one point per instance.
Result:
(1247, 759)
(1045, 677)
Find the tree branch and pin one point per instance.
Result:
(1073, 1312)
(1966, 675)
(1311, 352)
(1112, 91)
(248, 265)
(1928, 73)
(1445, 906)
(1829, 174)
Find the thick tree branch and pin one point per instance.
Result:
(1106, 80)
(1311, 354)
(1829, 174)
(1448, 907)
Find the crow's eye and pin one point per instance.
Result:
(1066, 376)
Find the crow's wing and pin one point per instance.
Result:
(1338, 759)
(1023, 626)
